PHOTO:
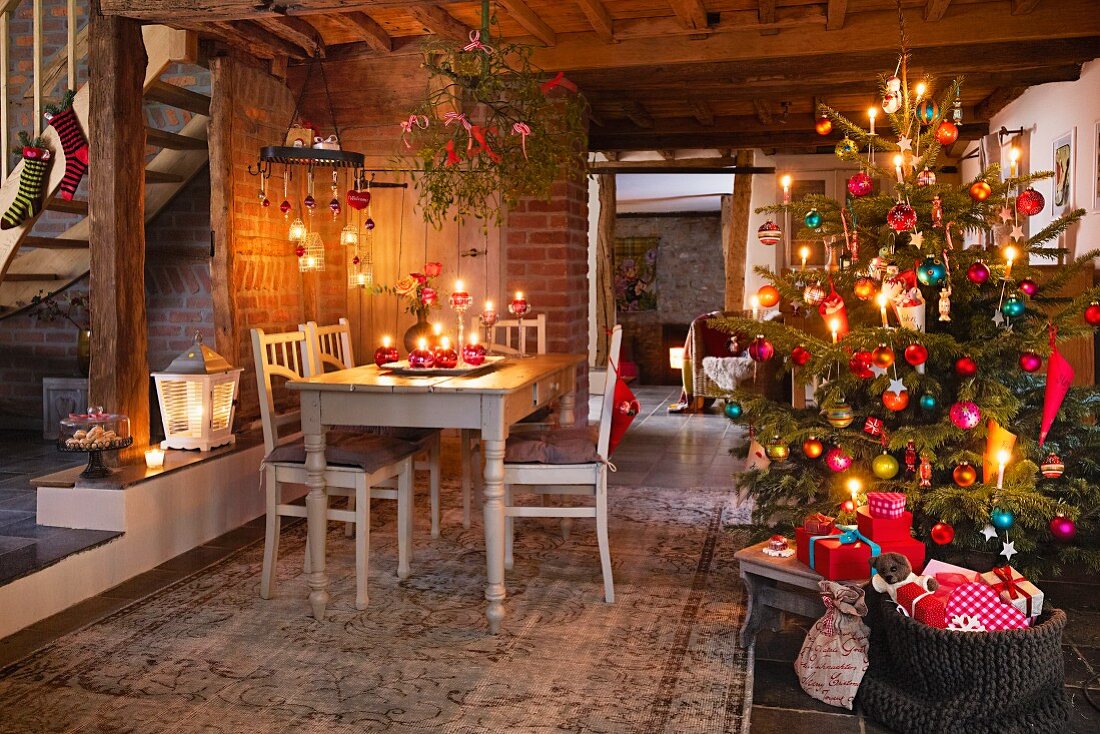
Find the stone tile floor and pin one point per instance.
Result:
(659, 450)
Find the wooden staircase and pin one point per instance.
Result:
(31, 264)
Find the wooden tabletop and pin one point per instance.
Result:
(508, 376)
(791, 568)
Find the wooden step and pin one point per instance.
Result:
(161, 177)
(72, 206)
(54, 243)
(172, 141)
(178, 97)
(31, 277)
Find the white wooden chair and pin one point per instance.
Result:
(331, 348)
(508, 337)
(587, 479)
(359, 471)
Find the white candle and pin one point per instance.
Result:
(882, 309)
(898, 160)
(154, 458)
(786, 183)
(1010, 256)
(1002, 461)
(804, 253)
(854, 485)
(755, 301)
(834, 326)
(1013, 158)
(872, 113)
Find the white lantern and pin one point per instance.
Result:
(198, 396)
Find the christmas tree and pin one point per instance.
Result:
(935, 370)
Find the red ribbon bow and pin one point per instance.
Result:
(522, 128)
(478, 133)
(452, 157)
(1008, 582)
(475, 44)
(559, 80)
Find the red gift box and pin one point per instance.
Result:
(977, 606)
(911, 548)
(922, 605)
(834, 560)
(889, 505)
(884, 529)
(818, 524)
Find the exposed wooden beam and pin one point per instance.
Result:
(253, 37)
(637, 113)
(734, 21)
(766, 11)
(1023, 7)
(439, 22)
(763, 110)
(735, 234)
(601, 21)
(835, 12)
(702, 112)
(31, 277)
(690, 13)
(726, 163)
(997, 100)
(172, 141)
(605, 267)
(367, 30)
(296, 31)
(56, 243)
(178, 97)
(668, 155)
(224, 294)
(934, 10)
(530, 20)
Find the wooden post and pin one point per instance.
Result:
(220, 140)
(120, 364)
(735, 233)
(605, 268)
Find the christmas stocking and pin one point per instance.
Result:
(32, 183)
(63, 119)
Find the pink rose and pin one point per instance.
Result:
(433, 269)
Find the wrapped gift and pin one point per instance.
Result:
(911, 548)
(1016, 590)
(818, 524)
(889, 505)
(977, 607)
(301, 134)
(884, 529)
(843, 555)
(922, 605)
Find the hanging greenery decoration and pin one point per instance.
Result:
(492, 129)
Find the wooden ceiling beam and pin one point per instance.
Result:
(763, 110)
(438, 21)
(1023, 7)
(637, 113)
(256, 38)
(690, 14)
(220, 10)
(366, 29)
(668, 155)
(296, 31)
(730, 22)
(614, 165)
(997, 100)
(766, 13)
(601, 21)
(702, 112)
(934, 10)
(530, 20)
(835, 12)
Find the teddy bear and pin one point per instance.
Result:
(892, 571)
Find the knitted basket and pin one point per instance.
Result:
(923, 680)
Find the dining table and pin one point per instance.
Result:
(490, 400)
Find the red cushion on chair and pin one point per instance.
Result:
(624, 407)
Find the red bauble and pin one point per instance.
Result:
(848, 506)
(813, 448)
(1092, 314)
(965, 475)
(800, 355)
(860, 184)
(896, 401)
(300, 251)
(947, 133)
(768, 295)
(1028, 286)
(1030, 362)
(978, 272)
(1030, 202)
(1062, 528)
(824, 125)
(980, 191)
(860, 365)
(966, 366)
(864, 289)
(965, 415)
(473, 354)
(285, 207)
(883, 356)
(838, 459)
(760, 349)
(942, 533)
(902, 217)
(916, 354)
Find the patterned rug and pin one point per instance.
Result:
(208, 655)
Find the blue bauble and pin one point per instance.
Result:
(1013, 306)
(733, 410)
(927, 111)
(813, 219)
(928, 402)
(1001, 519)
(931, 271)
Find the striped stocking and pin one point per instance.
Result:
(74, 144)
(32, 184)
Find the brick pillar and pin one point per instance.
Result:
(546, 257)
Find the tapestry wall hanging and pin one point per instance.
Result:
(636, 273)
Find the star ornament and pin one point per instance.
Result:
(904, 143)
(1006, 214)
(896, 385)
(989, 532)
(998, 318)
(1017, 233)
(1008, 550)
(917, 239)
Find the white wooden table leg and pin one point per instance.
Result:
(316, 502)
(434, 477)
(404, 518)
(465, 437)
(494, 530)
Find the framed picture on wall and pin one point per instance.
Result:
(1063, 154)
(817, 183)
(1096, 166)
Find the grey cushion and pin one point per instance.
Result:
(369, 452)
(419, 436)
(555, 446)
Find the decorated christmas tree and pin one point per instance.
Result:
(935, 367)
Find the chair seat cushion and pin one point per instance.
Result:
(555, 446)
(367, 451)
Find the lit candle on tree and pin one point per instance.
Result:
(1013, 160)
(1010, 256)
(1002, 461)
(854, 486)
(804, 254)
(898, 160)
(834, 326)
(785, 182)
(872, 113)
(755, 301)
(881, 298)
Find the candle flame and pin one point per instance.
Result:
(898, 160)
(422, 344)
(881, 299)
(519, 295)
(1002, 457)
(854, 485)
(488, 305)
(1014, 154)
(458, 286)
(755, 300)
(1010, 254)
(872, 113)
(785, 181)
(921, 89)
(386, 342)
(445, 343)
(834, 325)
(437, 328)
(473, 338)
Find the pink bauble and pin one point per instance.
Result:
(902, 217)
(473, 354)
(838, 459)
(385, 355)
(760, 349)
(421, 359)
(1030, 362)
(966, 415)
(860, 184)
(978, 273)
(1028, 286)
(1062, 528)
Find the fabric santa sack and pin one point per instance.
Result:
(833, 658)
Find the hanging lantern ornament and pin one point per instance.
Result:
(813, 448)
(760, 349)
(349, 236)
(902, 217)
(824, 125)
(1013, 306)
(932, 271)
(885, 466)
(1062, 528)
(1030, 202)
(965, 415)
(813, 219)
(978, 272)
(942, 533)
(1030, 362)
(980, 191)
(1052, 466)
(965, 475)
(860, 184)
(800, 355)
(927, 177)
(311, 257)
(947, 133)
(814, 294)
(776, 450)
(297, 231)
(769, 233)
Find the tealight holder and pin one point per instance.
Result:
(473, 353)
(445, 355)
(421, 358)
(386, 353)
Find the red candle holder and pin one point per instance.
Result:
(473, 354)
(386, 353)
(519, 306)
(445, 355)
(421, 358)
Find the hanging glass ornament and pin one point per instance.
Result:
(1052, 466)
(937, 212)
(895, 399)
(964, 475)
(776, 450)
(369, 224)
(285, 208)
(813, 448)
(813, 219)
(927, 111)
(860, 184)
(1028, 287)
(980, 191)
(813, 294)
(1013, 306)
(1030, 362)
(928, 402)
(860, 365)
(927, 177)
(978, 272)
(1062, 528)
(893, 83)
(902, 217)
(864, 288)
(760, 349)
(965, 415)
(840, 415)
(1092, 314)
(910, 457)
(768, 295)
(891, 102)
(932, 271)
(846, 148)
(824, 125)
(838, 459)
(966, 366)
(733, 410)
(769, 233)
(883, 356)
(942, 533)
(1002, 519)
(916, 354)
(946, 133)
(800, 355)
(1030, 202)
(885, 466)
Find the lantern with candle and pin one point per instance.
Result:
(198, 397)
